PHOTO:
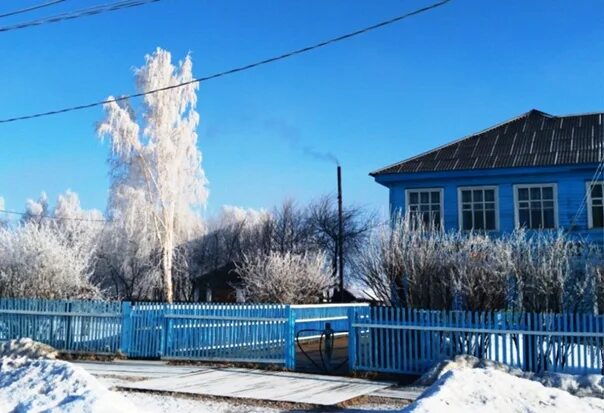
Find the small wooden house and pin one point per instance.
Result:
(219, 285)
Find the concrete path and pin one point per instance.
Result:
(136, 369)
(241, 383)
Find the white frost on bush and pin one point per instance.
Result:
(490, 390)
(285, 277)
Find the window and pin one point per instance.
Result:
(536, 206)
(427, 204)
(478, 209)
(595, 204)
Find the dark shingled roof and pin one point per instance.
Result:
(532, 139)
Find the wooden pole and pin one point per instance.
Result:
(340, 235)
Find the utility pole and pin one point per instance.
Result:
(340, 235)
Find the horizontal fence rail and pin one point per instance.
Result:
(245, 333)
(254, 333)
(68, 326)
(405, 341)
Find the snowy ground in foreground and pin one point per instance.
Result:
(53, 386)
(157, 403)
(489, 390)
(31, 380)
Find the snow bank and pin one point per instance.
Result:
(40, 383)
(26, 347)
(591, 385)
(463, 362)
(490, 390)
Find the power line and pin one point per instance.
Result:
(234, 70)
(31, 8)
(91, 11)
(5, 211)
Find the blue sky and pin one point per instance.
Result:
(371, 101)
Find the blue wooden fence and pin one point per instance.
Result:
(69, 326)
(190, 331)
(227, 332)
(404, 341)
(311, 319)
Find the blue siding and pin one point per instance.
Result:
(571, 190)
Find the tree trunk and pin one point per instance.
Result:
(167, 270)
(167, 259)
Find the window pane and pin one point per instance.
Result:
(466, 196)
(412, 208)
(535, 204)
(466, 218)
(522, 194)
(413, 197)
(478, 195)
(523, 218)
(478, 207)
(424, 207)
(536, 219)
(435, 197)
(490, 205)
(490, 220)
(436, 220)
(489, 195)
(535, 193)
(597, 214)
(466, 206)
(478, 220)
(424, 197)
(596, 202)
(435, 207)
(523, 205)
(548, 218)
(548, 192)
(596, 191)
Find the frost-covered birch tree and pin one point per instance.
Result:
(157, 158)
(51, 253)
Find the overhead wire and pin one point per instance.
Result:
(31, 8)
(91, 11)
(6, 211)
(236, 69)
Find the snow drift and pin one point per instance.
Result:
(491, 390)
(32, 381)
(590, 385)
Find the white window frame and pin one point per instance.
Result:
(442, 201)
(460, 204)
(516, 187)
(590, 219)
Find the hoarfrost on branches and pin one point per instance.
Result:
(50, 254)
(159, 161)
(285, 277)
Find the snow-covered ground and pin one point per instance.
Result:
(32, 380)
(53, 386)
(490, 390)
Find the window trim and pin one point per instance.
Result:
(515, 188)
(590, 219)
(460, 206)
(433, 189)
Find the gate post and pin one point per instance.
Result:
(352, 339)
(290, 339)
(126, 337)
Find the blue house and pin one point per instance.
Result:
(537, 171)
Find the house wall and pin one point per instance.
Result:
(571, 191)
